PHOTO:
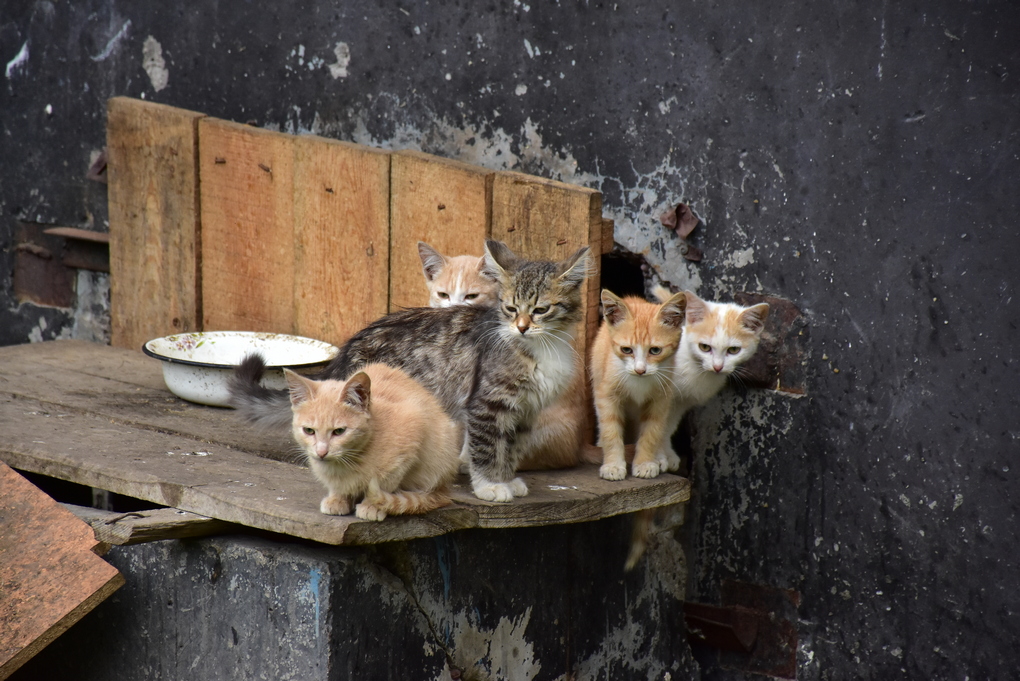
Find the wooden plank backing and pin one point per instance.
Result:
(124, 529)
(341, 237)
(124, 445)
(154, 221)
(540, 218)
(446, 204)
(50, 576)
(247, 190)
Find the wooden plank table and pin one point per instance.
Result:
(102, 416)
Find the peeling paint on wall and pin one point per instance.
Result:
(343, 59)
(19, 62)
(152, 62)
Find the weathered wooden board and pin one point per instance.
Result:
(154, 221)
(131, 449)
(123, 529)
(247, 207)
(341, 237)
(50, 575)
(446, 204)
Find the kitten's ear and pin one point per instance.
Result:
(673, 310)
(498, 258)
(697, 310)
(575, 269)
(301, 389)
(357, 392)
(753, 318)
(614, 310)
(432, 261)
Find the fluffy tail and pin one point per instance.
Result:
(255, 402)
(639, 537)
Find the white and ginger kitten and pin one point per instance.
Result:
(717, 339)
(556, 436)
(379, 442)
(456, 280)
(633, 371)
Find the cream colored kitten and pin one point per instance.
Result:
(456, 280)
(378, 440)
(717, 339)
(555, 439)
(633, 380)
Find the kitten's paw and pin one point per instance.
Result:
(518, 487)
(333, 505)
(649, 469)
(613, 471)
(668, 461)
(367, 511)
(495, 491)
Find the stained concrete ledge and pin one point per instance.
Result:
(531, 603)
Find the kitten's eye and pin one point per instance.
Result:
(735, 350)
(444, 295)
(704, 347)
(540, 310)
(338, 432)
(308, 431)
(471, 296)
(627, 351)
(654, 351)
(511, 309)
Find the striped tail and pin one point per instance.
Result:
(256, 403)
(401, 502)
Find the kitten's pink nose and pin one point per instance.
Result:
(321, 451)
(717, 367)
(523, 324)
(639, 369)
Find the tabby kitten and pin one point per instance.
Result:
(379, 438)
(718, 338)
(456, 280)
(492, 369)
(633, 380)
(555, 439)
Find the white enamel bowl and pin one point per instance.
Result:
(196, 366)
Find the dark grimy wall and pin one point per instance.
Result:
(857, 159)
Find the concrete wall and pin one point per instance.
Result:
(857, 159)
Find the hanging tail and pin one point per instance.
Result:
(256, 403)
(639, 537)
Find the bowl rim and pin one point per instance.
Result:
(332, 349)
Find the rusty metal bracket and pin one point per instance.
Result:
(753, 629)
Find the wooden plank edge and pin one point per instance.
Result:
(125, 529)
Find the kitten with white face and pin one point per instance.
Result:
(456, 280)
(717, 339)
(379, 441)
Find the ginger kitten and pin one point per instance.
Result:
(378, 440)
(457, 280)
(555, 440)
(633, 380)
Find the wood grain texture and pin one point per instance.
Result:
(247, 208)
(50, 575)
(124, 529)
(182, 460)
(341, 237)
(154, 221)
(446, 204)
